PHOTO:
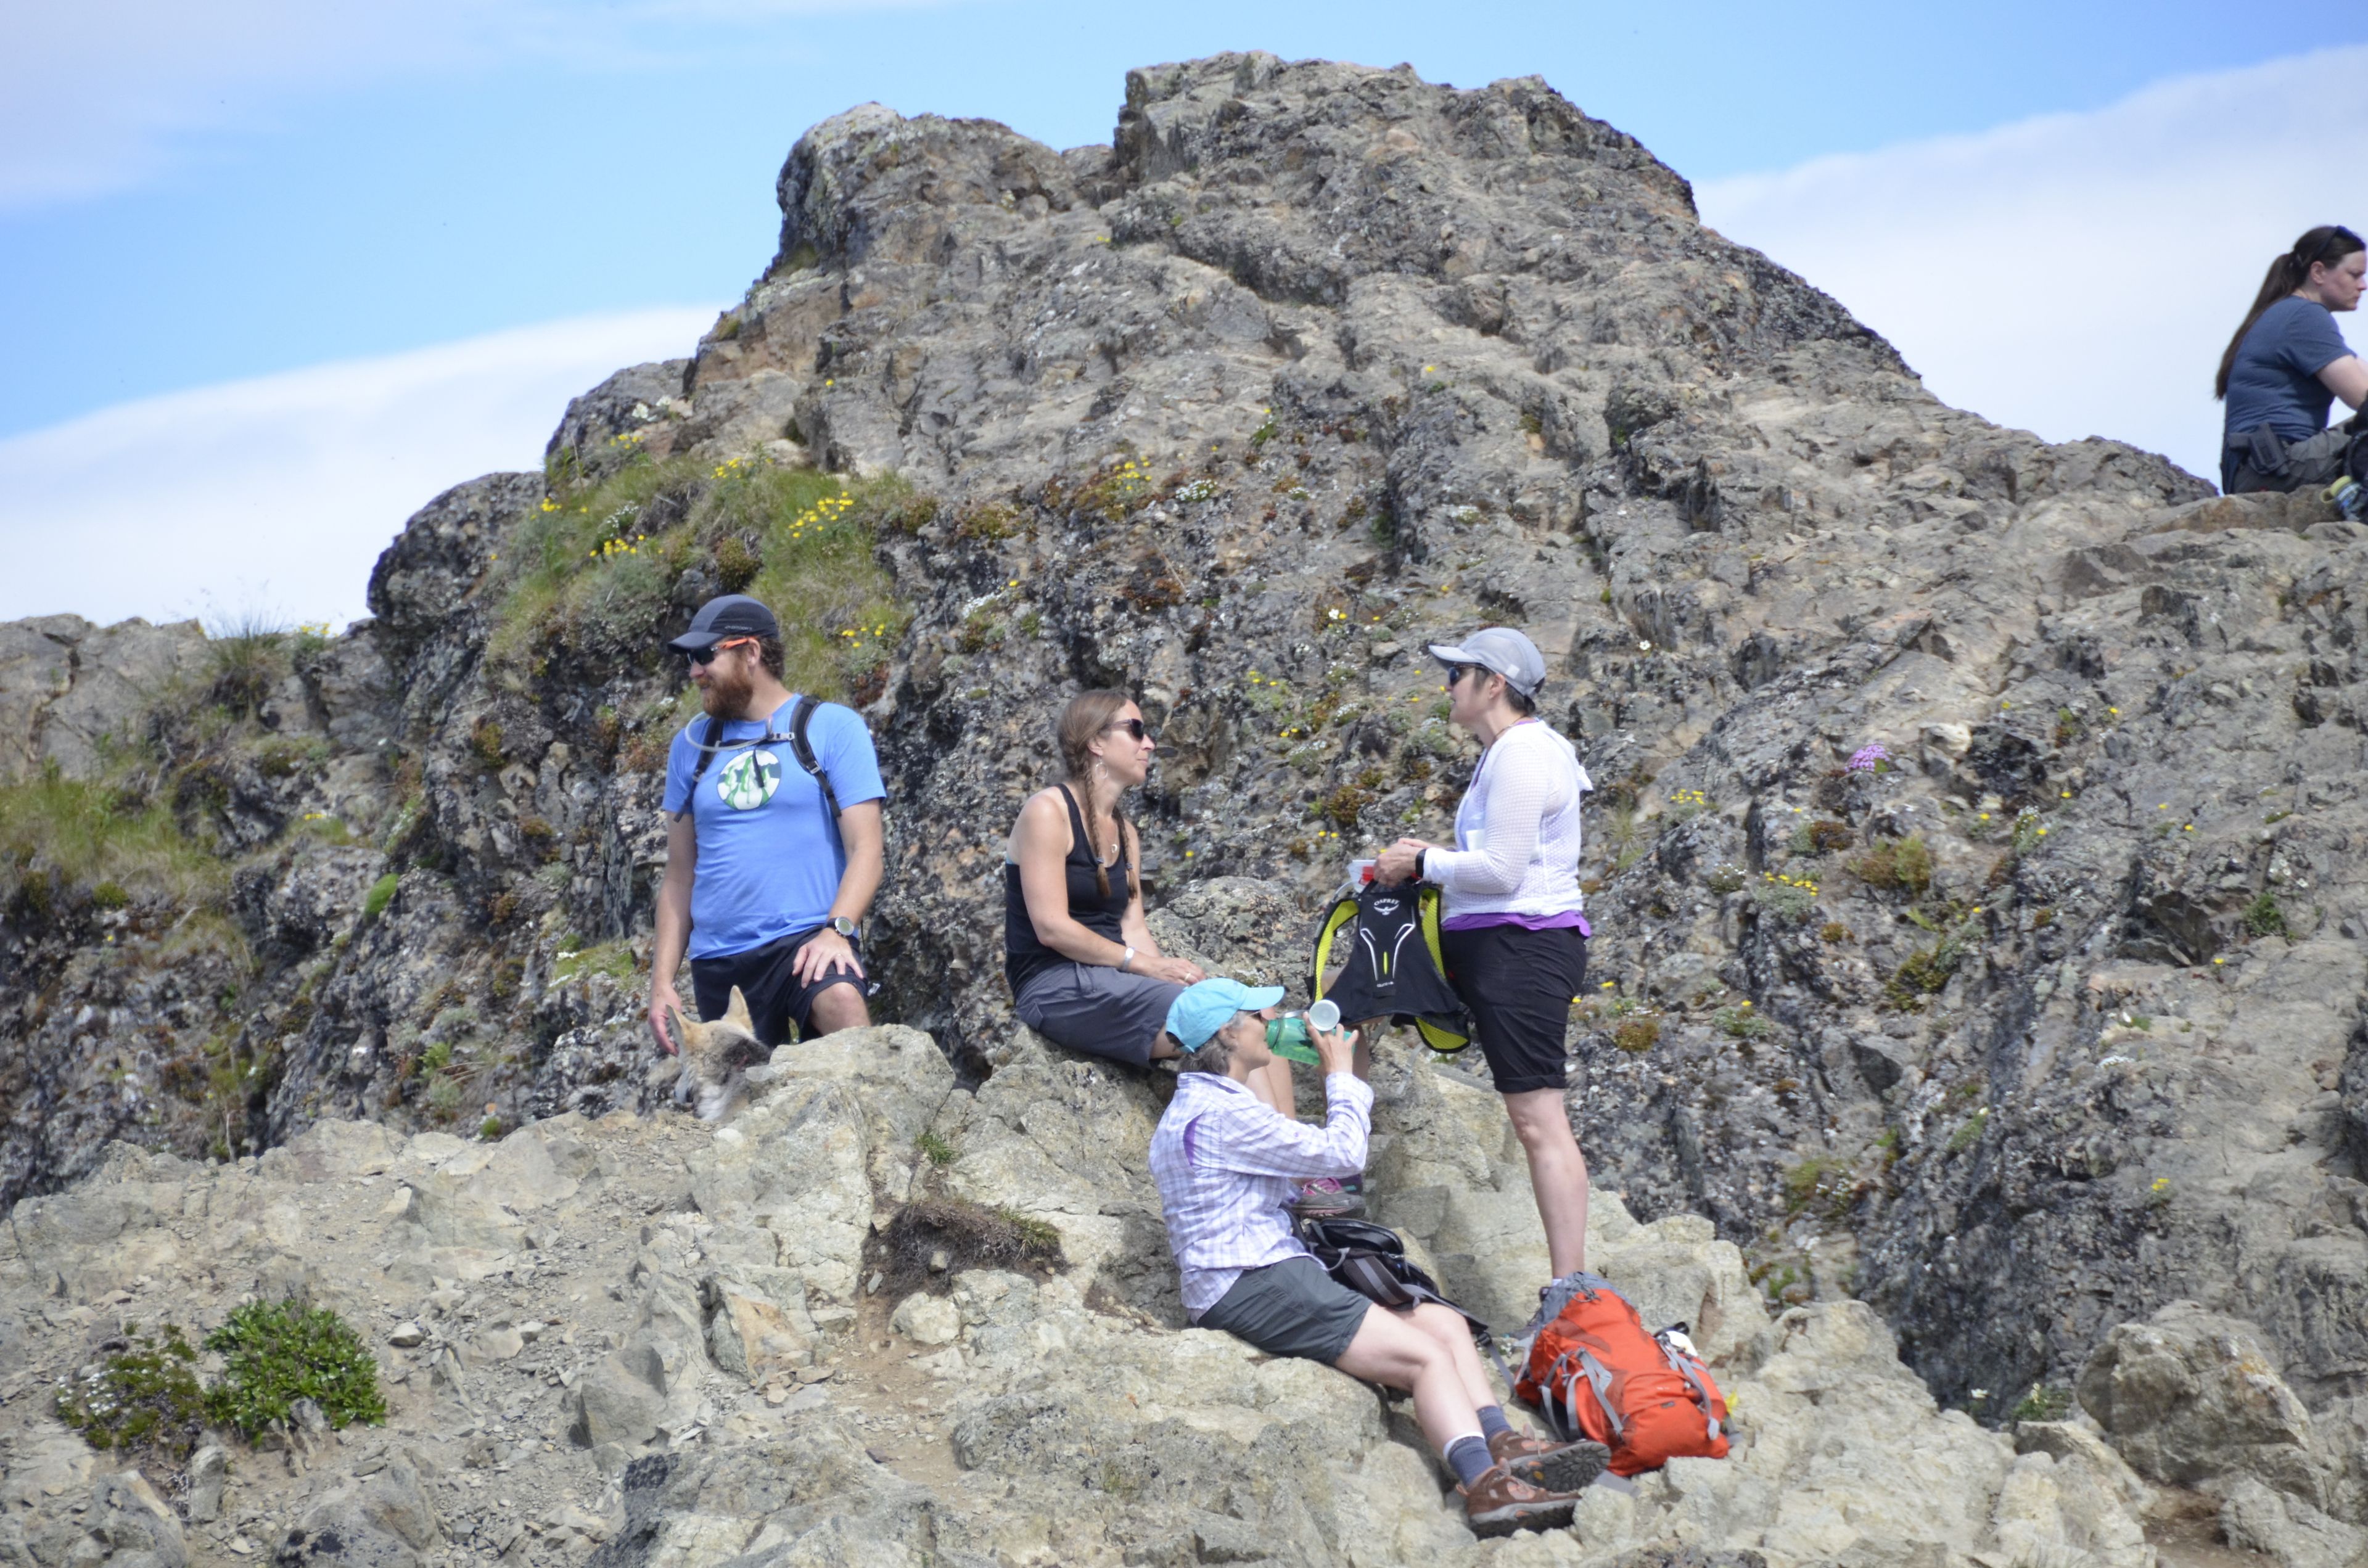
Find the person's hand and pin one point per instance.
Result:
(664, 1004)
(825, 953)
(1336, 1049)
(1401, 862)
(1176, 971)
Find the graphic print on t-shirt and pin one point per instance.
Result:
(748, 780)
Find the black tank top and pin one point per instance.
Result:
(1024, 957)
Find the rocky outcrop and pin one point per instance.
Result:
(1977, 872)
(649, 1340)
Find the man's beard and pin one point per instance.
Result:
(726, 696)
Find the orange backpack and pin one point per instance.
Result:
(1594, 1373)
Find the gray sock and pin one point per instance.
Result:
(1468, 1456)
(1492, 1420)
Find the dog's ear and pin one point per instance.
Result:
(737, 1015)
(686, 1035)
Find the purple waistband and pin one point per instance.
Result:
(1563, 922)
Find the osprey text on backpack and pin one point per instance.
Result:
(1388, 937)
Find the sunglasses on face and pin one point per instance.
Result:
(1457, 672)
(707, 655)
(1133, 727)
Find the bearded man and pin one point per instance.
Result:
(759, 890)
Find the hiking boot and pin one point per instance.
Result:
(1498, 1504)
(1555, 1467)
(1328, 1199)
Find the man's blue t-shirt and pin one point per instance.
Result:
(2274, 379)
(767, 867)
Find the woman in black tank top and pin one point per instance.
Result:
(1085, 972)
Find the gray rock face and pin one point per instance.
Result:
(1315, 364)
(67, 687)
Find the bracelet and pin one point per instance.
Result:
(1126, 962)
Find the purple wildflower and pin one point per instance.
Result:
(1864, 759)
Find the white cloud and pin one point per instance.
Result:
(100, 95)
(2076, 274)
(279, 493)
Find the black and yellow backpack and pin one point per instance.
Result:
(1386, 939)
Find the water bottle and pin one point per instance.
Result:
(2349, 496)
(1292, 1036)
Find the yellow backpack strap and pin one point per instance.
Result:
(1438, 1037)
(1343, 911)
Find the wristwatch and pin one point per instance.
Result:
(843, 926)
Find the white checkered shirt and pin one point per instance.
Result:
(1227, 1163)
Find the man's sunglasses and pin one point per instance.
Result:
(707, 655)
(1133, 727)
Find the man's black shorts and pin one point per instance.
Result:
(1518, 984)
(767, 978)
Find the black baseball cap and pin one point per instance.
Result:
(726, 616)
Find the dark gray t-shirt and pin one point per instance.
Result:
(2274, 380)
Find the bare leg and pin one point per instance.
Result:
(1454, 1336)
(1392, 1351)
(1558, 1173)
(838, 1008)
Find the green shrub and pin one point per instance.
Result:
(1637, 1036)
(614, 960)
(1741, 1023)
(2264, 917)
(2044, 1404)
(593, 567)
(275, 1353)
(143, 1399)
(1903, 865)
(935, 1150)
(380, 894)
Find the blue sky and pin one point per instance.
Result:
(276, 188)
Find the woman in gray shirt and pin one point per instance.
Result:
(2287, 364)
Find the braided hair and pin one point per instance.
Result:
(2326, 246)
(1083, 722)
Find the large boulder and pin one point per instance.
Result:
(2189, 1396)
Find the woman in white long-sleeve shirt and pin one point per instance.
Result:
(1515, 930)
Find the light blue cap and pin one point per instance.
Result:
(1209, 1004)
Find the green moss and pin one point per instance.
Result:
(1925, 973)
(614, 960)
(275, 1353)
(380, 894)
(143, 1399)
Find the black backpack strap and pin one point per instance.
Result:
(801, 719)
(708, 744)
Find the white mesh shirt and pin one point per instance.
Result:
(1516, 831)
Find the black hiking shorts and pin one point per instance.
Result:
(1519, 985)
(766, 976)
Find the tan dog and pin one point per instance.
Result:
(716, 1058)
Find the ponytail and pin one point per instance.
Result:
(2326, 246)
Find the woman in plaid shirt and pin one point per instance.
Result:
(1227, 1163)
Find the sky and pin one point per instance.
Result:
(273, 274)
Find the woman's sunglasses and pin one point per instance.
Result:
(1133, 727)
(1457, 672)
(707, 655)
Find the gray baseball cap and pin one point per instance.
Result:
(1502, 650)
